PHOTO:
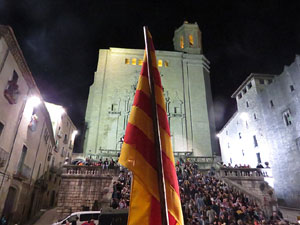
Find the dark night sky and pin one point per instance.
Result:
(61, 38)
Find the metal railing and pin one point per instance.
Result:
(23, 173)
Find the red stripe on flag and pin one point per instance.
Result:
(146, 147)
(142, 101)
(155, 216)
(170, 172)
(134, 136)
(156, 75)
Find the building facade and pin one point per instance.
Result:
(266, 129)
(186, 82)
(27, 140)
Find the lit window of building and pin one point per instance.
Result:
(127, 61)
(191, 40)
(133, 62)
(181, 42)
(140, 62)
(160, 63)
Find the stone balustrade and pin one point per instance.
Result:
(74, 170)
(245, 173)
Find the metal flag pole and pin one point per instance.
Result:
(157, 142)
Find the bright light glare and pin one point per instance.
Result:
(75, 132)
(244, 116)
(218, 135)
(33, 101)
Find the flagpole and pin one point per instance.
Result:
(157, 142)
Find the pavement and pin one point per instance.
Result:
(49, 217)
(290, 214)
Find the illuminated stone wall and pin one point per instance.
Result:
(276, 127)
(186, 82)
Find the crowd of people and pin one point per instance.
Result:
(205, 199)
(121, 191)
(208, 200)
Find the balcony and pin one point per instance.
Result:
(24, 173)
(3, 157)
(88, 171)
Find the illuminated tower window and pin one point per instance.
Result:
(181, 42)
(140, 62)
(127, 61)
(133, 62)
(160, 63)
(166, 63)
(191, 40)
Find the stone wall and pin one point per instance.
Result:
(83, 187)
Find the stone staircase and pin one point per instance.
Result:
(251, 182)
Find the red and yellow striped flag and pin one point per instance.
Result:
(138, 154)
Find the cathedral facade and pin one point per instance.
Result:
(185, 78)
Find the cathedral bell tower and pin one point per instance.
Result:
(187, 38)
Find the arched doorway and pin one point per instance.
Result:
(9, 203)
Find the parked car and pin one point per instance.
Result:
(82, 216)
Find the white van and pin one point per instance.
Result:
(82, 217)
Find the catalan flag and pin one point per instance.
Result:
(138, 153)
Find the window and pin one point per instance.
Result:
(271, 104)
(181, 42)
(166, 63)
(287, 118)
(127, 61)
(269, 81)
(298, 143)
(160, 63)
(22, 159)
(255, 141)
(63, 152)
(113, 107)
(258, 158)
(1, 128)
(249, 85)
(140, 62)
(292, 88)
(34, 121)
(66, 139)
(244, 90)
(12, 90)
(46, 135)
(226, 132)
(228, 145)
(240, 135)
(247, 104)
(254, 116)
(85, 217)
(261, 81)
(191, 40)
(59, 132)
(239, 95)
(243, 153)
(133, 62)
